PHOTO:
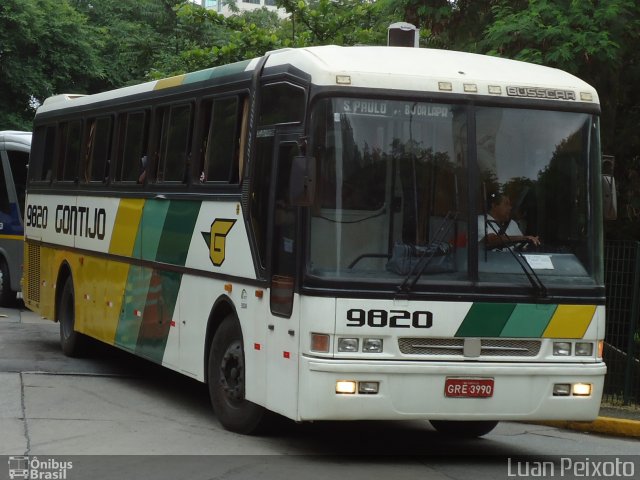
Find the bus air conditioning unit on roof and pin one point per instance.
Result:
(402, 34)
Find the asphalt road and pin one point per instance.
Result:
(117, 416)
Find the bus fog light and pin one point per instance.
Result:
(320, 342)
(561, 349)
(345, 386)
(584, 349)
(582, 389)
(368, 388)
(372, 345)
(348, 344)
(561, 390)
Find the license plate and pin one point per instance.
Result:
(468, 387)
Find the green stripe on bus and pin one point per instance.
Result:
(528, 321)
(152, 227)
(135, 298)
(216, 72)
(156, 320)
(485, 320)
(177, 232)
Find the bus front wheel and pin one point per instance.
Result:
(226, 379)
(463, 429)
(72, 342)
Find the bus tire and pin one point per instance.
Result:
(226, 379)
(464, 429)
(72, 343)
(7, 297)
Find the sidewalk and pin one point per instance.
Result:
(613, 420)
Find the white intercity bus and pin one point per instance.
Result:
(307, 232)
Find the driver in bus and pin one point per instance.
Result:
(497, 229)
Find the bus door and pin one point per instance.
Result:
(283, 316)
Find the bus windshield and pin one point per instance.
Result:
(401, 193)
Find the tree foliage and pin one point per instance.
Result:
(46, 47)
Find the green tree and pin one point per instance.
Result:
(340, 22)
(46, 47)
(208, 39)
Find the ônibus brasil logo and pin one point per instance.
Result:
(22, 466)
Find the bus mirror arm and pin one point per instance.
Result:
(302, 181)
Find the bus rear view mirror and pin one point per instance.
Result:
(609, 197)
(302, 181)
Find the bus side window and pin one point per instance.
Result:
(98, 149)
(5, 207)
(175, 123)
(221, 146)
(42, 153)
(281, 103)
(68, 151)
(133, 138)
(18, 163)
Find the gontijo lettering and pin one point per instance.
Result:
(81, 221)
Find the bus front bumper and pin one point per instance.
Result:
(520, 391)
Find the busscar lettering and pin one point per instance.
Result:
(539, 92)
(81, 221)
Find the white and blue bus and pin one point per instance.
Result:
(306, 232)
(14, 158)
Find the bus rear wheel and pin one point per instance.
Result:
(226, 379)
(463, 429)
(73, 344)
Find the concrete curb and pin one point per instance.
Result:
(607, 425)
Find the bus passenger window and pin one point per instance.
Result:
(43, 151)
(69, 151)
(5, 207)
(222, 145)
(281, 103)
(98, 149)
(133, 134)
(172, 162)
(18, 162)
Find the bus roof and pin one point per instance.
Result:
(15, 140)
(396, 68)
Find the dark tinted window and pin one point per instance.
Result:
(98, 149)
(18, 163)
(69, 151)
(4, 194)
(174, 143)
(43, 151)
(259, 206)
(133, 138)
(222, 144)
(281, 103)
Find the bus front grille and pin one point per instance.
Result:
(33, 272)
(462, 347)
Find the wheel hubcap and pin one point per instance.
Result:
(232, 373)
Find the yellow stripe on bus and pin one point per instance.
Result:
(169, 82)
(11, 237)
(125, 229)
(570, 321)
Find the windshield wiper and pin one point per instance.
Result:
(438, 247)
(528, 270)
